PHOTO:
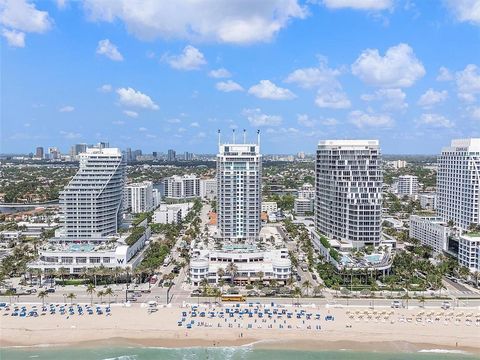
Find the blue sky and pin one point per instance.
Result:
(160, 74)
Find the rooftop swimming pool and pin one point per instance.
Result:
(81, 247)
(373, 258)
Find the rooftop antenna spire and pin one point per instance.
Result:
(244, 136)
(233, 135)
(218, 137)
(258, 137)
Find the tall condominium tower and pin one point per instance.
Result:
(239, 190)
(92, 201)
(407, 185)
(458, 182)
(349, 191)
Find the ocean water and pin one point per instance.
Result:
(227, 353)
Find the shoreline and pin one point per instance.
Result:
(135, 327)
(312, 345)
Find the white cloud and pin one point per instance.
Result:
(468, 83)
(70, 134)
(332, 100)
(190, 59)
(18, 17)
(142, 129)
(130, 113)
(474, 112)
(220, 73)
(435, 121)
(14, 38)
(105, 88)
(174, 121)
(307, 121)
(361, 119)
(398, 68)
(61, 4)
(393, 99)
(465, 10)
(232, 21)
(131, 97)
(432, 97)
(444, 74)
(315, 76)
(359, 4)
(266, 89)
(228, 86)
(195, 124)
(257, 118)
(105, 47)
(67, 108)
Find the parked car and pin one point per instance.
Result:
(446, 305)
(50, 290)
(396, 304)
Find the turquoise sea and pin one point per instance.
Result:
(227, 353)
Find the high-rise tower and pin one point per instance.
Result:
(92, 202)
(458, 183)
(239, 175)
(349, 191)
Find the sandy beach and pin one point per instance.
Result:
(382, 329)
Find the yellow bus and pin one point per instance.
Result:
(233, 297)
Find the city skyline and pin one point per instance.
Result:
(138, 84)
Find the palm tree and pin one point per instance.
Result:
(91, 290)
(108, 292)
(62, 272)
(232, 269)
(100, 294)
(117, 271)
(318, 289)
(297, 292)
(71, 297)
(204, 285)
(42, 295)
(220, 274)
(260, 275)
(306, 285)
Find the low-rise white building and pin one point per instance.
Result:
(307, 191)
(469, 251)
(9, 236)
(75, 256)
(171, 213)
(428, 201)
(208, 189)
(431, 231)
(302, 206)
(35, 230)
(269, 206)
(250, 264)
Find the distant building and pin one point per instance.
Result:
(53, 153)
(407, 185)
(182, 187)
(39, 152)
(307, 191)
(77, 149)
(303, 206)
(208, 189)
(431, 231)
(349, 181)
(171, 155)
(171, 213)
(188, 156)
(397, 164)
(269, 206)
(458, 178)
(428, 201)
(139, 197)
(128, 155)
